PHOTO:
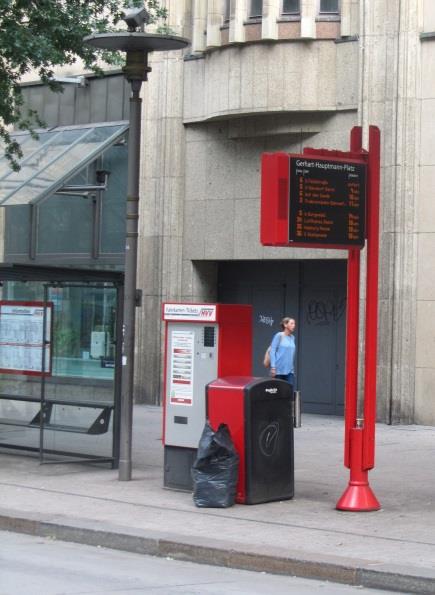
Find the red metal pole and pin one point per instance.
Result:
(352, 326)
(371, 298)
(359, 434)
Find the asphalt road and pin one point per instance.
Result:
(48, 567)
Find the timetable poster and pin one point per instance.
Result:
(22, 337)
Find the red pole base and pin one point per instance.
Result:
(358, 496)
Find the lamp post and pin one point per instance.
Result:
(137, 45)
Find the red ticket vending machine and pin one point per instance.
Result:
(202, 343)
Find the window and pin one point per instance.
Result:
(290, 7)
(256, 9)
(329, 6)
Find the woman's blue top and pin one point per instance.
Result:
(282, 353)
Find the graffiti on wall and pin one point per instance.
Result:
(267, 320)
(325, 312)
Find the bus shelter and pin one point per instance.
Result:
(60, 358)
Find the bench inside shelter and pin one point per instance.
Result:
(57, 414)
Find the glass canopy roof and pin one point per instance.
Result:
(48, 162)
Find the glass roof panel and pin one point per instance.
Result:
(24, 140)
(28, 146)
(56, 157)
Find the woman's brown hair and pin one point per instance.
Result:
(284, 321)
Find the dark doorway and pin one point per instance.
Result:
(314, 292)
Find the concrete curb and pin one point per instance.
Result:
(345, 570)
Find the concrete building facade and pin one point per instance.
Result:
(283, 81)
(281, 75)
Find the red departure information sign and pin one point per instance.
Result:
(327, 201)
(321, 199)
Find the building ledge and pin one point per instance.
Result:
(232, 114)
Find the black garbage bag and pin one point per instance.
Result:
(215, 470)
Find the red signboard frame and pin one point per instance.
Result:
(359, 443)
(275, 195)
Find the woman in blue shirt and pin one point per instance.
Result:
(282, 352)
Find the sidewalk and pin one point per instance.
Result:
(391, 549)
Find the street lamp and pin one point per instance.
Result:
(137, 45)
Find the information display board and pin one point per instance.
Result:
(22, 337)
(327, 203)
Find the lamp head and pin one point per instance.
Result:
(135, 17)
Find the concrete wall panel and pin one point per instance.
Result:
(264, 77)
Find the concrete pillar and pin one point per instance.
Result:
(180, 16)
(308, 18)
(425, 326)
(389, 74)
(345, 17)
(161, 213)
(199, 26)
(269, 24)
(349, 17)
(215, 19)
(428, 18)
(239, 11)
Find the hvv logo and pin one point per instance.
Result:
(206, 312)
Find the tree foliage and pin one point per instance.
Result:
(39, 35)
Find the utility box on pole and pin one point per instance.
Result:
(202, 342)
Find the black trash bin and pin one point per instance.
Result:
(258, 413)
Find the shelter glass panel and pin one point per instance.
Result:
(83, 226)
(113, 207)
(17, 233)
(72, 411)
(65, 223)
(84, 323)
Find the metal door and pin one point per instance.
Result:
(314, 293)
(321, 349)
